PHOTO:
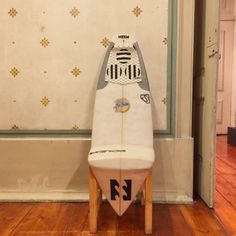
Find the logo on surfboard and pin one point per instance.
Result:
(121, 105)
(115, 194)
(145, 98)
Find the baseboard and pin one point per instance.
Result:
(172, 197)
(158, 197)
(44, 197)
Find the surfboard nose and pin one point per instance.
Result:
(123, 40)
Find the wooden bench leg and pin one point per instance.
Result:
(143, 194)
(95, 199)
(148, 203)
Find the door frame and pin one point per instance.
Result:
(184, 68)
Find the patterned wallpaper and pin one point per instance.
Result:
(51, 53)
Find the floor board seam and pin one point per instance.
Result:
(226, 163)
(222, 176)
(84, 223)
(226, 200)
(224, 228)
(19, 223)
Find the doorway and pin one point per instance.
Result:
(225, 85)
(210, 129)
(225, 187)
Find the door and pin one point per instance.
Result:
(225, 76)
(205, 87)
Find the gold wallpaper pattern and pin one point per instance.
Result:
(44, 42)
(74, 12)
(12, 12)
(45, 101)
(137, 11)
(70, 35)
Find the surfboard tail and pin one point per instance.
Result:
(120, 186)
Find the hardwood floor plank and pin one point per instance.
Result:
(107, 222)
(228, 190)
(217, 172)
(230, 161)
(226, 212)
(162, 224)
(180, 226)
(225, 152)
(221, 139)
(225, 194)
(73, 219)
(132, 222)
(11, 214)
(224, 168)
(168, 220)
(53, 219)
(202, 220)
(230, 179)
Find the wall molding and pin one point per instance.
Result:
(68, 196)
(184, 67)
(170, 90)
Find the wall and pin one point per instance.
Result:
(54, 167)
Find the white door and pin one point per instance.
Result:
(224, 86)
(205, 88)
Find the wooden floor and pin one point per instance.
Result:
(225, 194)
(183, 220)
(72, 219)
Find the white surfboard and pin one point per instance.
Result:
(122, 137)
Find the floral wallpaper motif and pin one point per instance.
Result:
(51, 54)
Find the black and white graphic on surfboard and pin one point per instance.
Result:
(114, 186)
(123, 56)
(145, 98)
(114, 71)
(123, 66)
